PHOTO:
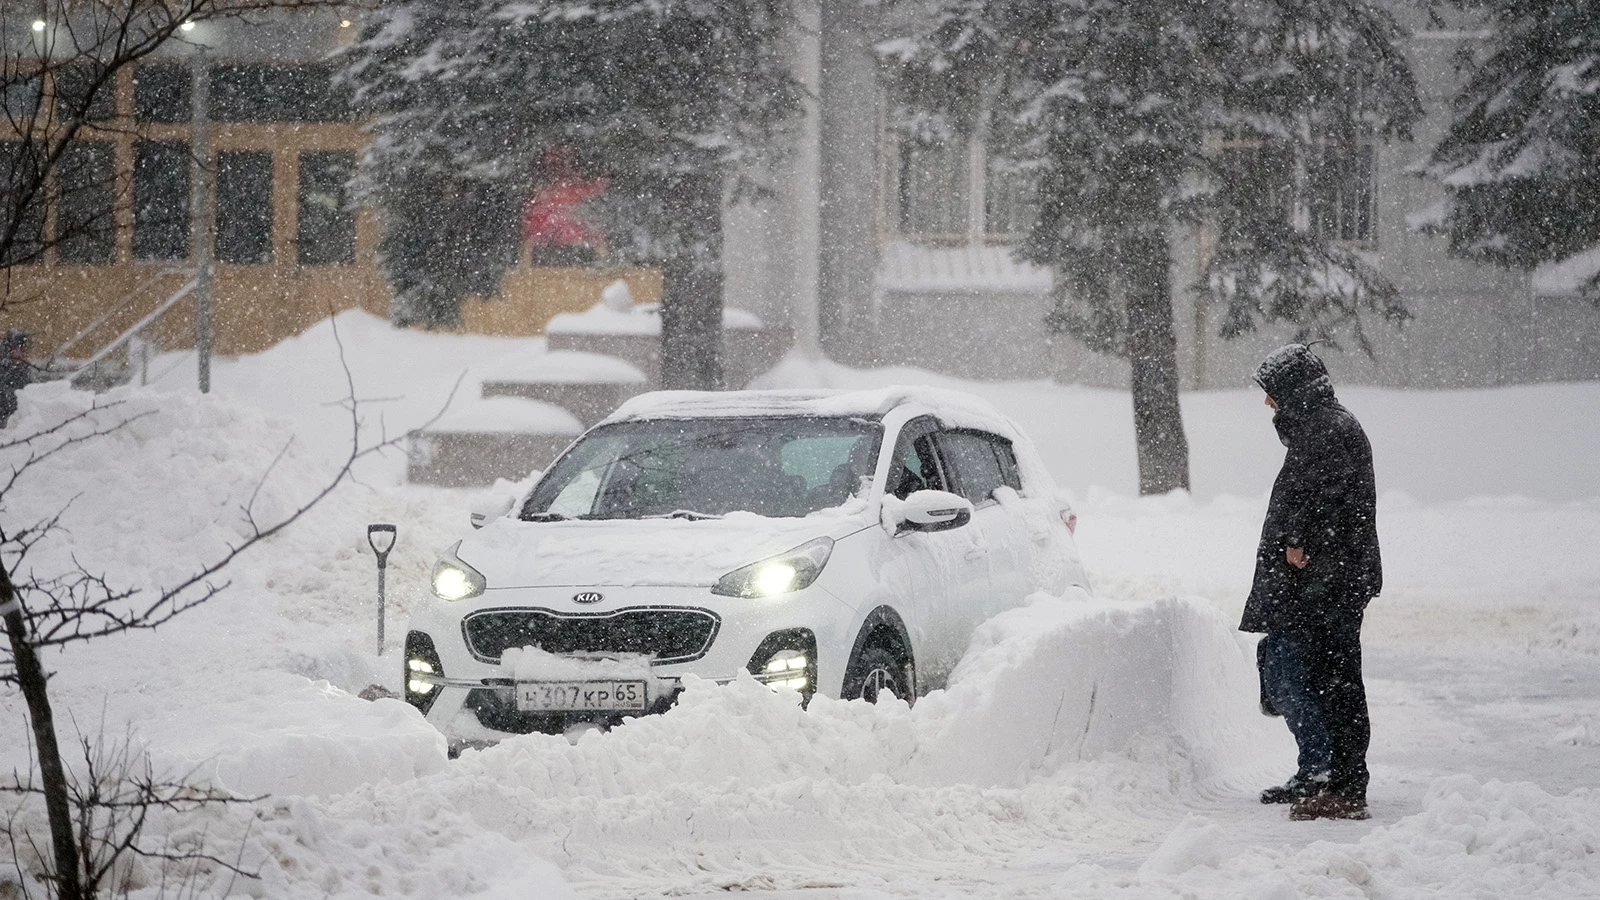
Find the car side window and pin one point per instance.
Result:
(977, 466)
(1009, 474)
(917, 459)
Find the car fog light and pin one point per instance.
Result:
(419, 687)
(419, 665)
(798, 684)
(786, 661)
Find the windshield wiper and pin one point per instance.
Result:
(689, 514)
(543, 517)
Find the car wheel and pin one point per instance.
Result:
(877, 669)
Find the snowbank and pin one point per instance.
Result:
(1064, 682)
(1085, 699)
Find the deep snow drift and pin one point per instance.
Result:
(1081, 750)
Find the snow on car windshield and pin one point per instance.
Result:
(693, 468)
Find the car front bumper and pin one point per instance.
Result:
(468, 688)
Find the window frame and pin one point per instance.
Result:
(221, 232)
(993, 442)
(340, 223)
(1302, 185)
(155, 109)
(140, 224)
(977, 184)
(93, 240)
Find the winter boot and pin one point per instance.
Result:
(1329, 804)
(1297, 788)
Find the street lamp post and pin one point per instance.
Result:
(200, 217)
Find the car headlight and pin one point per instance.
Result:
(455, 580)
(781, 574)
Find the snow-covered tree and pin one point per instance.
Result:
(665, 101)
(1521, 158)
(1142, 122)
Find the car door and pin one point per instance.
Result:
(978, 476)
(934, 577)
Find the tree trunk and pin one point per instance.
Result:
(691, 292)
(1153, 351)
(31, 678)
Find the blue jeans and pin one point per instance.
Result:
(1286, 683)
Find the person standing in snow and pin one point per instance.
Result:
(1317, 568)
(16, 372)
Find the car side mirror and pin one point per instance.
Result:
(932, 511)
(490, 510)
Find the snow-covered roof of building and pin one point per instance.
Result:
(494, 415)
(913, 267)
(643, 319)
(560, 367)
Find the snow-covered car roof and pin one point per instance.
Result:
(956, 408)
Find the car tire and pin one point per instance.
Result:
(877, 668)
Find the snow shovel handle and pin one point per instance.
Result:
(383, 552)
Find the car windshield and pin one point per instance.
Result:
(695, 468)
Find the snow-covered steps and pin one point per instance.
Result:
(587, 385)
(518, 411)
(749, 345)
(487, 438)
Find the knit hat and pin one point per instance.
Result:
(1290, 371)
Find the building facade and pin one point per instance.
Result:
(282, 139)
(874, 251)
(907, 249)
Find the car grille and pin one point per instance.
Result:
(668, 635)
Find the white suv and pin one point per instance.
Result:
(837, 542)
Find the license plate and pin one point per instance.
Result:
(548, 696)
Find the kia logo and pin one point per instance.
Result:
(588, 597)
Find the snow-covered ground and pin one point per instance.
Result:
(1104, 750)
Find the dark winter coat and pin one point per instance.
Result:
(1325, 501)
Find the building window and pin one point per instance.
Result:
(21, 201)
(932, 188)
(267, 93)
(1340, 191)
(86, 203)
(964, 189)
(23, 92)
(161, 93)
(1330, 192)
(1258, 182)
(244, 206)
(73, 93)
(161, 200)
(327, 224)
